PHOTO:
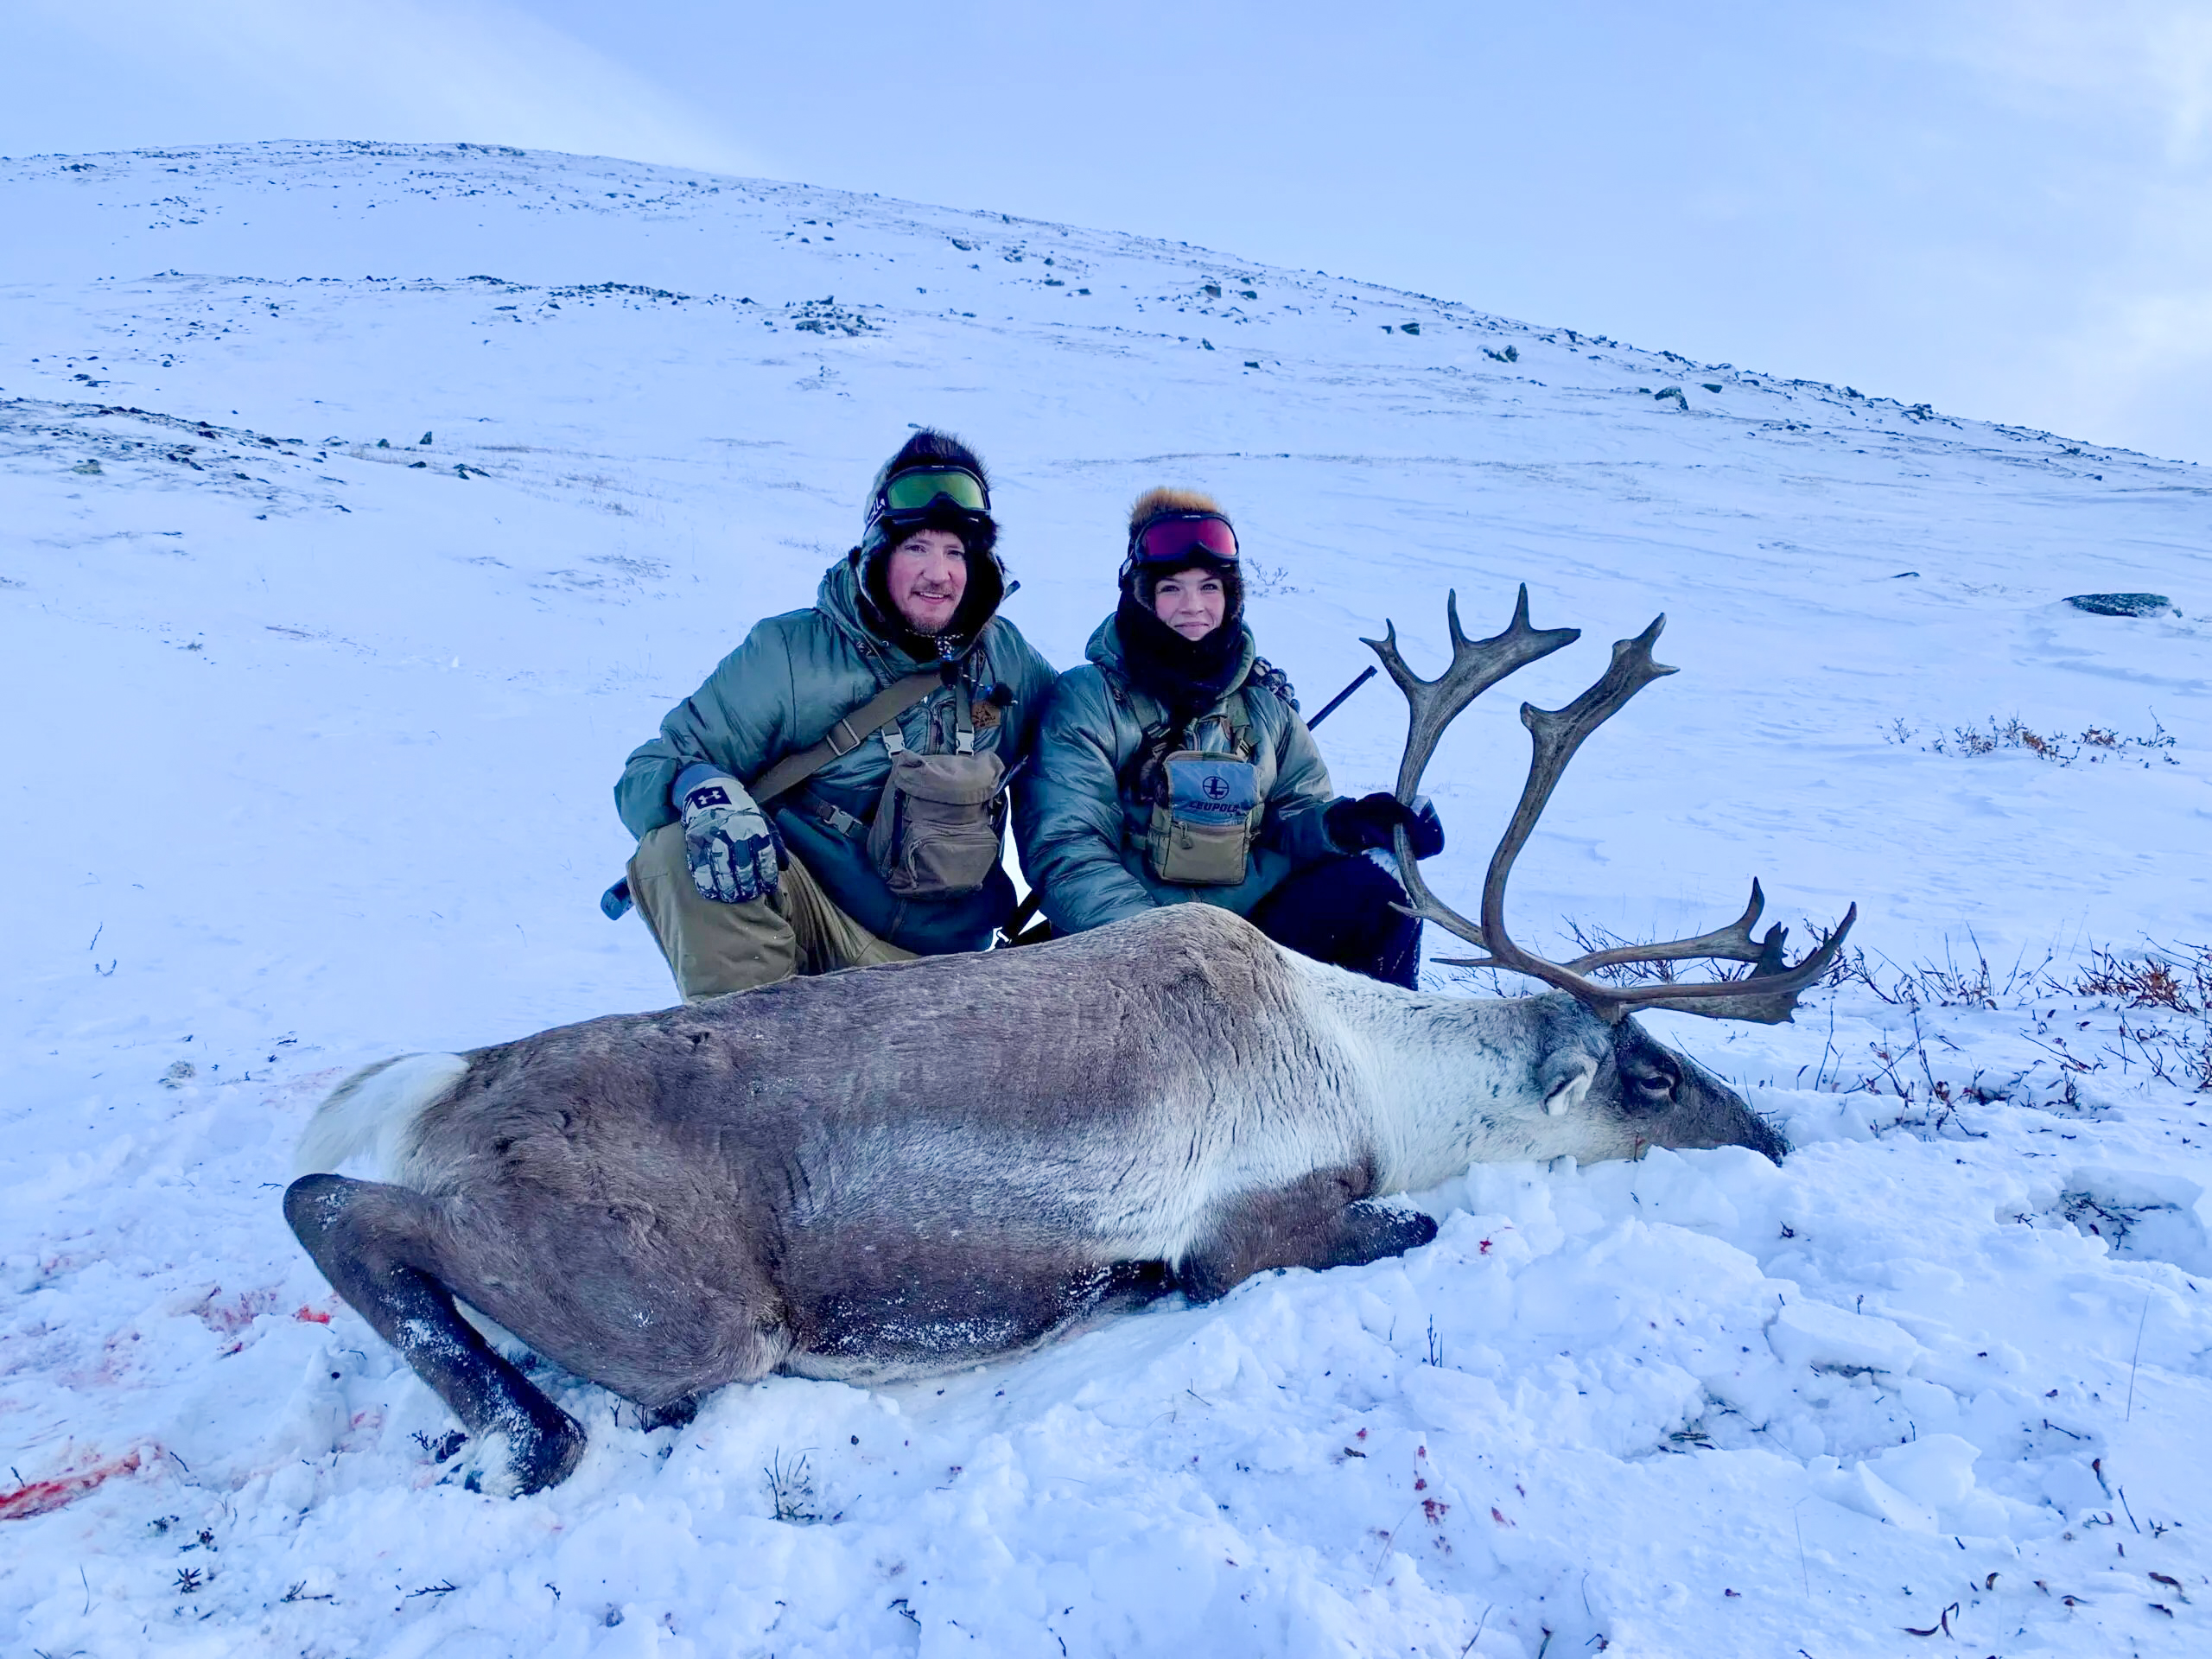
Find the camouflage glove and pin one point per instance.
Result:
(734, 852)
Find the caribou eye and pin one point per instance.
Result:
(1651, 1085)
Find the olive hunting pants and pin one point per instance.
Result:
(714, 948)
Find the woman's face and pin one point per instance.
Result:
(927, 574)
(1192, 602)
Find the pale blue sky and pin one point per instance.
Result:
(2003, 207)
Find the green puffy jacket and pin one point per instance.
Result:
(779, 692)
(1082, 830)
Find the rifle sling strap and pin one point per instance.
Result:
(845, 735)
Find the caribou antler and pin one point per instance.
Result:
(1768, 994)
(1432, 705)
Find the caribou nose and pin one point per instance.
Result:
(1764, 1139)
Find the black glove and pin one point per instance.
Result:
(1357, 825)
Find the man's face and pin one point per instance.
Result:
(927, 574)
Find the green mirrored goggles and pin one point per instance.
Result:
(916, 491)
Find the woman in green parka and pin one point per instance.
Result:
(1173, 767)
(888, 850)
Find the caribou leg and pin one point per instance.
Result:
(1318, 1221)
(371, 1242)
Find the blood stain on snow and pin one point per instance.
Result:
(228, 1318)
(43, 1497)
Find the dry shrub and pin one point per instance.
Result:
(2093, 744)
(2173, 985)
(2162, 995)
(1951, 983)
(2152, 981)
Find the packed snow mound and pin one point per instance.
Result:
(361, 506)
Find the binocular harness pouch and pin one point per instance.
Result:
(1204, 821)
(939, 823)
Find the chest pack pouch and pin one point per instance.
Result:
(939, 823)
(1203, 818)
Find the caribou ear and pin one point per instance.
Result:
(1566, 1077)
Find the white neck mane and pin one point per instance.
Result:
(1453, 1080)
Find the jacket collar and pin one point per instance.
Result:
(1105, 651)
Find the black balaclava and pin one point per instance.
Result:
(978, 535)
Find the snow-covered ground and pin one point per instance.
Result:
(361, 506)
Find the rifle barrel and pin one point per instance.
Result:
(1329, 707)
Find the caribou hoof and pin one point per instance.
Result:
(543, 1451)
(1373, 1230)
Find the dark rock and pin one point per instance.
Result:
(2121, 604)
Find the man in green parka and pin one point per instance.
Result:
(835, 795)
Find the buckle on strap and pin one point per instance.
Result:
(836, 817)
(852, 739)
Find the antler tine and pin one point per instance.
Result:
(1459, 640)
(1733, 942)
(1432, 705)
(1769, 994)
(1476, 664)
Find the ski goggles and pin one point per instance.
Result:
(1175, 536)
(920, 491)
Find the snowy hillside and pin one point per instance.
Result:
(361, 506)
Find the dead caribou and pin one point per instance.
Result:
(894, 1170)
